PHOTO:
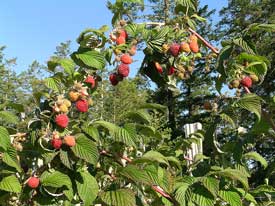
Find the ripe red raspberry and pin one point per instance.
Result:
(120, 40)
(171, 71)
(69, 140)
(82, 105)
(113, 79)
(246, 82)
(175, 49)
(158, 67)
(56, 143)
(123, 70)
(62, 120)
(126, 59)
(90, 80)
(33, 182)
(123, 33)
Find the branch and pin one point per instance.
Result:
(206, 43)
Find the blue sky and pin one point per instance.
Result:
(32, 29)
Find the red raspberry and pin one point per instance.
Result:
(113, 79)
(246, 82)
(123, 70)
(123, 33)
(175, 49)
(171, 71)
(82, 105)
(56, 143)
(62, 120)
(194, 47)
(33, 182)
(90, 80)
(120, 40)
(126, 59)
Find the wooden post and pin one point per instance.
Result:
(195, 148)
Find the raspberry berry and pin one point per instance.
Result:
(90, 80)
(62, 120)
(33, 182)
(82, 105)
(123, 70)
(126, 59)
(69, 140)
(56, 143)
(246, 81)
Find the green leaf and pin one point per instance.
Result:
(211, 184)
(120, 197)
(224, 55)
(4, 138)
(140, 116)
(55, 179)
(52, 83)
(90, 59)
(263, 27)
(64, 158)
(85, 149)
(119, 134)
(10, 184)
(87, 188)
(10, 158)
(202, 197)
(135, 174)
(91, 131)
(257, 68)
(8, 117)
(152, 106)
(153, 156)
(228, 119)
(250, 102)
(233, 174)
(243, 44)
(232, 197)
(246, 195)
(180, 193)
(257, 157)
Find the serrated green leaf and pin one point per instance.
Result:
(91, 131)
(231, 197)
(4, 138)
(52, 83)
(85, 149)
(202, 197)
(153, 156)
(119, 197)
(257, 157)
(139, 116)
(10, 184)
(64, 158)
(250, 102)
(211, 184)
(10, 158)
(243, 44)
(87, 188)
(90, 59)
(8, 117)
(55, 179)
(135, 174)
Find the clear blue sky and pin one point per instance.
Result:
(31, 29)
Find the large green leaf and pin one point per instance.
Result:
(211, 184)
(10, 184)
(119, 134)
(153, 156)
(90, 59)
(64, 158)
(120, 197)
(57, 179)
(201, 197)
(246, 195)
(87, 188)
(232, 197)
(4, 138)
(85, 149)
(250, 102)
(10, 158)
(53, 83)
(139, 116)
(8, 117)
(91, 131)
(258, 68)
(180, 194)
(234, 174)
(257, 157)
(135, 174)
(244, 45)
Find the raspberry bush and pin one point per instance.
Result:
(65, 157)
